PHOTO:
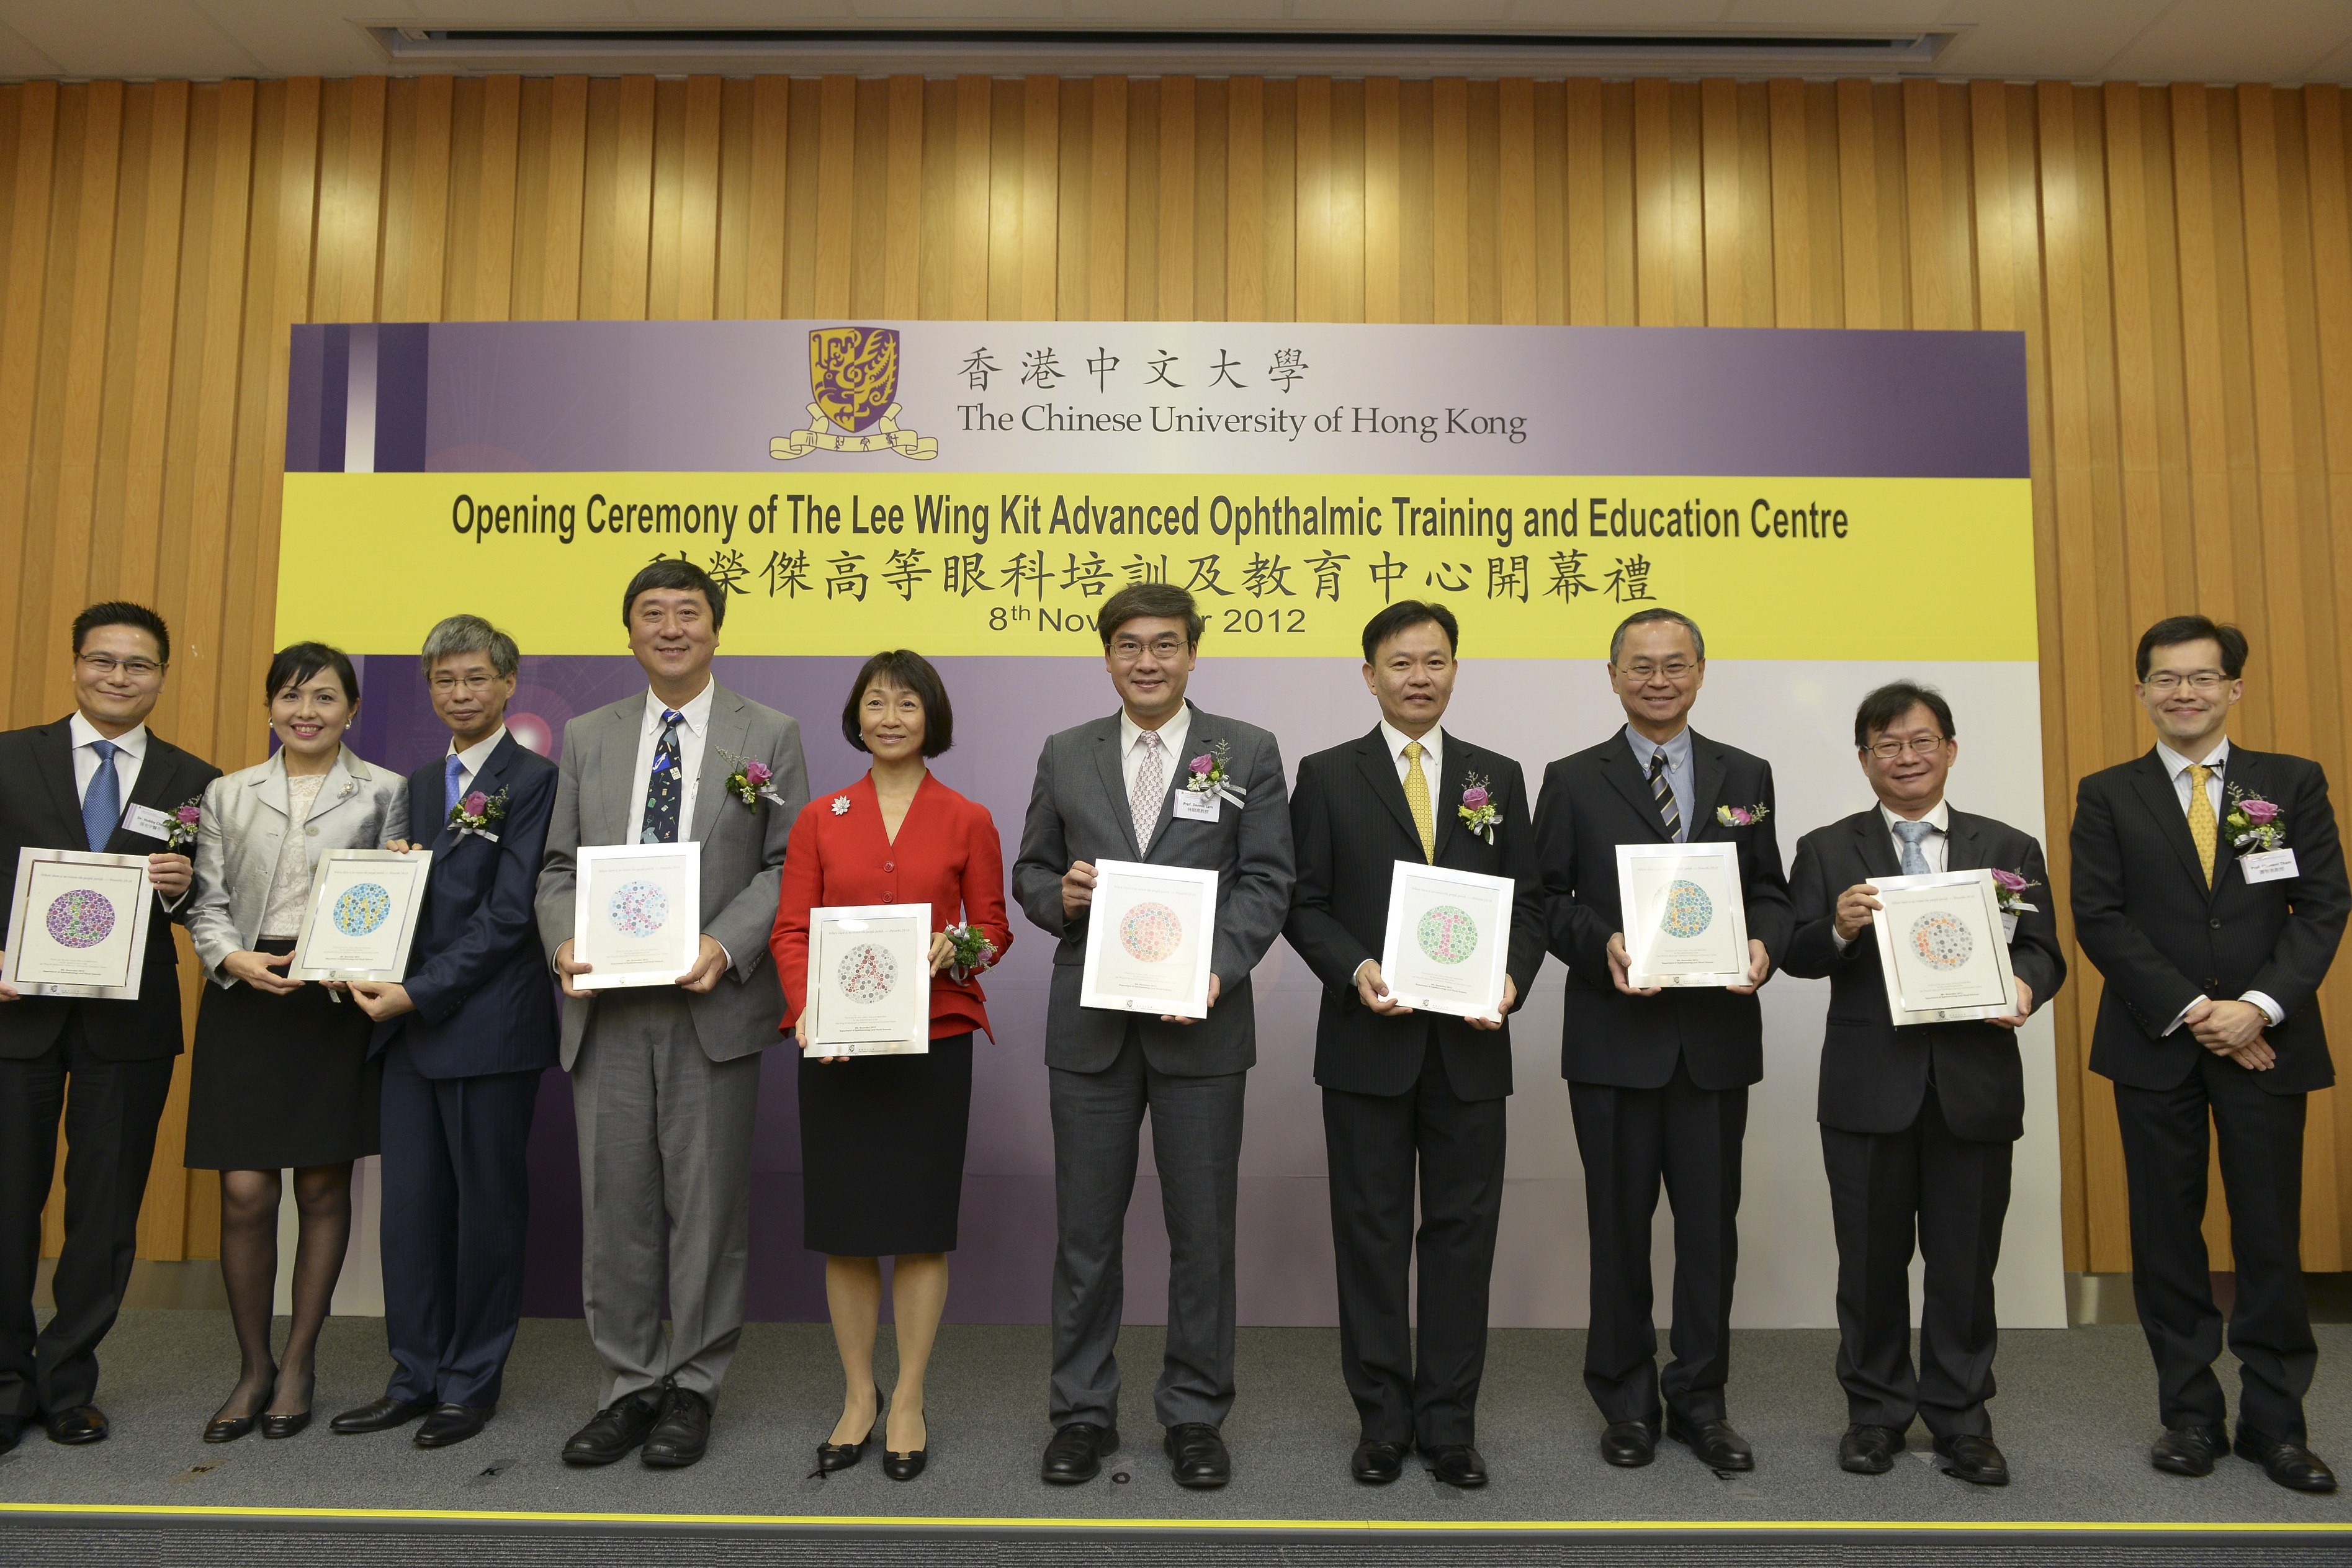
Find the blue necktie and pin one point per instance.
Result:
(666, 787)
(101, 808)
(1915, 863)
(457, 781)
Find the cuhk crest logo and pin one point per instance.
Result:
(854, 381)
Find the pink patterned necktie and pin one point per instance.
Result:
(1150, 783)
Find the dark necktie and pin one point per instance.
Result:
(1664, 792)
(666, 786)
(101, 804)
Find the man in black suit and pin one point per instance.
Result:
(1401, 1090)
(1918, 1123)
(2210, 891)
(96, 780)
(1658, 1079)
(465, 1038)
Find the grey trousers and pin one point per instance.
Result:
(664, 1193)
(1196, 1138)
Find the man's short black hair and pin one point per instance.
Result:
(2175, 629)
(296, 664)
(1405, 614)
(676, 572)
(1149, 600)
(1890, 702)
(122, 612)
(906, 668)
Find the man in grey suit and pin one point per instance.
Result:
(1137, 786)
(665, 1083)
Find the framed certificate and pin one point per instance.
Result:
(1941, 948)
(362, 917)
(1686, 923)
(869, 981)
(636, 914)
(1150, 934)
(77, 925)
(1449, 939)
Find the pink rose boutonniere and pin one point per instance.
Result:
(1741, 816)
(185, 820)
(1477, 810)
(2009, 893)
(1211, 774)
(974, 951)
(2254, 823)
(475, 813)
(752, 781)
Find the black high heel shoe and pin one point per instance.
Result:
(287, 1426)
(229, 1428)
(833, 1456)
(906, 1466)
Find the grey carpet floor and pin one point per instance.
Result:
(2074, 1416)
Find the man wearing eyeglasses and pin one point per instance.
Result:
(2210, 890)
(98, 779)
(1657, 1078)
(1918, 1123)
(1127, 787)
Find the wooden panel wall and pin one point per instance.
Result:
(2180, 258)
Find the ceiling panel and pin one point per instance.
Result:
(129, 38)
(2226, 40)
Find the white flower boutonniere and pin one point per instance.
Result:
(841, 805)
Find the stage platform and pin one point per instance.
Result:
(2075, 1416)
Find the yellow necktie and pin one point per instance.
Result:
(2200, 817)
(1416, 799)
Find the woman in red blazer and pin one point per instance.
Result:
(882, 1137)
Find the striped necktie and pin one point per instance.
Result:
(1664, 792)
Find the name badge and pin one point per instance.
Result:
(2274, 865)
(148, 822)
(2008, 927)
(1195, 807)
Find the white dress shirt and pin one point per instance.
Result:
(1432, 744)
(691, 735)
(132, 751)
(1171, 736)
(2178, 767)
(1934, 849)
(471, 761)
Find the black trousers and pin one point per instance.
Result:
(1374, 1143)
(2165, 1164)
(111, 1109)
(1630, 1141)
(1952, 1194)
(456, 1208)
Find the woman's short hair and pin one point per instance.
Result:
(299, 662)
(905, 668)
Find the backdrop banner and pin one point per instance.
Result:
(1835, 508)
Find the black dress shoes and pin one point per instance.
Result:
(2290, 1465)
(1075, 1454)
(1377, 1464)
(452, 1424)
(2188, 1451)
(1197, 1455)
(834, 1457)
(1718, 1447)
(283, 1426)
(1974, 1460)
(619, 1428)
(905, 1467)
(11, 1428)
(1629, 1445)
(682, 1435)
(1457, 1465)
(382, 1416)
(227, 1428)
(1869, 1451)
(87, 1424)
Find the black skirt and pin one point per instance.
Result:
(882, 1150)
(280, 1081)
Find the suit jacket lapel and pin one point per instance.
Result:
(1878, 857)
(1379, 771)
(1457, 762)
(729, 730)
(619, 784)
(1963, 849)
(1707, 785)
(57, 772)
(1114, 783)
(2162, 798)
(490, 780)
(152, 791)
(1617, 762)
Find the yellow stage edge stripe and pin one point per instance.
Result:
(905, 1521)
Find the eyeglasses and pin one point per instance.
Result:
(105, 664)
(444, 685)
(2205, 683)
(1918, 746)
(1675, 669)
(1127, 650)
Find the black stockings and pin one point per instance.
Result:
(249, 1268)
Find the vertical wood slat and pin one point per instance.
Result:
(1858, 202)
(1719, 187)
(1450, 153)
(1314, 200)
(1040, 179)
(1246, 199)
(902, 231)
(1514, 207)
(1177, 103)
(1106, 234)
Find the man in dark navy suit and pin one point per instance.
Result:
(465, 1038)
(1408, 1094)
(1657, 1078)
(2210, 891)
(1918, 1122)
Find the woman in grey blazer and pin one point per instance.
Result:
(280, 1076)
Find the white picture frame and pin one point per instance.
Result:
(869, 981)
(1942, 949)
(1152, 930)
(636, 914)
(78, 925)
(1425, 960)
(362, 917)
(1686, 920)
